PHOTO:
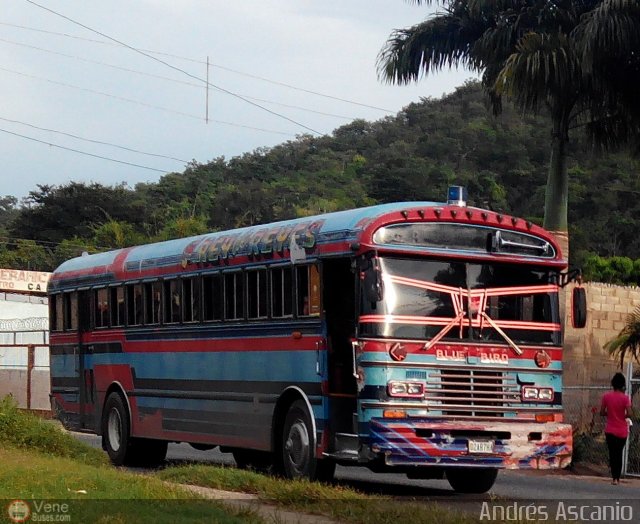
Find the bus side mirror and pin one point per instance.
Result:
(579, 307)
(373, 288)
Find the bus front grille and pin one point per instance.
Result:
(471, 392)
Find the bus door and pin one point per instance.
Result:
(85, 365)
(339, 301)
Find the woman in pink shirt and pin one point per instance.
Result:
(616, 406)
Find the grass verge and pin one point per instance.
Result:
(337, 502)
(102, 494)
(41, 464)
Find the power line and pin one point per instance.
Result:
(93, 141)
(160, 77)
(201, 62)
(83, 152)
(138, 102)
(231, 93)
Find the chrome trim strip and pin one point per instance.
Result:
(458, 407)
(457, 365)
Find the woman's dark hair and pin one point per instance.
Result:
(619, 381)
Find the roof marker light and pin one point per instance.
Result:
(469, 214)
(457, 196)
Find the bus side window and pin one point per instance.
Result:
(172, 301)
(60, 312)
(53, 314)
(71, 311)
(101, 307)
(134, 305)
(233, 296)
(191, 300)
(307, 291)
(116, 304)
(213, 297)
(257, 293)
(152, 303)
(281, 292)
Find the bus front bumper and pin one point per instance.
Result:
(506, 445)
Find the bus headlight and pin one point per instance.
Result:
(533, 393)
(405, 389)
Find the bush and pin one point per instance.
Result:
(25, 430)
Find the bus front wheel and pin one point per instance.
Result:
(115, 430)
(468, 480)
(298, 453)
(123, 450)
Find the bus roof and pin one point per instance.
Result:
(328, 234)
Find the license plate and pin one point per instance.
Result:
(480, 446)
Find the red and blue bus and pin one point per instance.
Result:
(423, 338)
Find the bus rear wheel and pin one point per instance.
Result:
(123, 450)
(298, 447)
(468, 480)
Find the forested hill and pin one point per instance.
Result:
(414, 155)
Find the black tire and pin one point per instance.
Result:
(471, 480)
(116, 430)
(298, 447)
(253, 459)
(123, 450)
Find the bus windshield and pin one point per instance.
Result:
(453, 300)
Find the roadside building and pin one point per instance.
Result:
(24, 335)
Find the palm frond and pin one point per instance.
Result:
(543, 66)
(627, 342)
(438, 42)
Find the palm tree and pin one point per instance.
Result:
(627, 343)
(578, 59)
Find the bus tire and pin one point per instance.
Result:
(116, 431)
(297, 447)
(471, 480)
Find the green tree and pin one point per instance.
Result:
(577, 60)
(26, 254)
(115, 234)
(184, 227)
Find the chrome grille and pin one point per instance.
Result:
(471, 392)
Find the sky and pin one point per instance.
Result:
(130, 86)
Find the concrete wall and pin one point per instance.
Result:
(24, 321)
(14, 376)
(586, 361)
(588, 368)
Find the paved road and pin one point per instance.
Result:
(510, 485)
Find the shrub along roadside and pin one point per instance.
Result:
(25, 430)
